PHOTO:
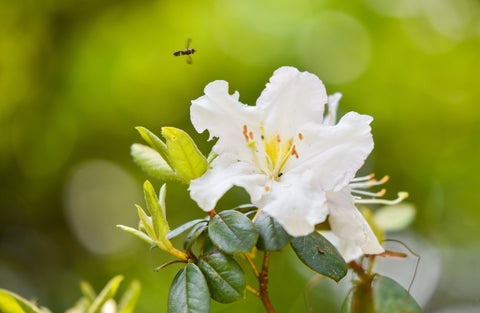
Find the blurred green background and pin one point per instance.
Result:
(77, 76)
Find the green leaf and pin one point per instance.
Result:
(156, 143)
(137, 233)
(152, 162)
(157, 213)
(272, 236)
(88, 291)
(320, 255)
(194, 234)
(180, 229)
(389, 296)
(146, 222)
(187, 161)
(130, 297)
(225, 277)
(10, 302)
(189, 292)
(107, 293)
(232, 232)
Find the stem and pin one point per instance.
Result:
(252, 265)
(263, 280)
(253, 290)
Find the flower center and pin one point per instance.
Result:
(273, 152)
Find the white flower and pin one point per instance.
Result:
(295, 164)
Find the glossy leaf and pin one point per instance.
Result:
(232, 232)
(107, 293)
(389, 296)
(189, 292)
(152, 162)
(320, 255)
(12, 303)
(129, 298)
(194, 234)
(225, 277)
(271, 235)
(187, 161)
(180, 229)
(156, 143)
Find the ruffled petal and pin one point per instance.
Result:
(331, 118)
(295, 205)
(224, 174)
(291, 99)
(347, 223)
(225, 117)
(334, 153)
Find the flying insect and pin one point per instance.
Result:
(188, 51)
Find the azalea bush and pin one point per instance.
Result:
(298, 163)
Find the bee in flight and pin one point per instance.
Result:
(186, 52)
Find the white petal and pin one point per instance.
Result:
(292, 99)
(295, 205)
(334, 153)
(224, 117)
(331, 118)
(348, 249)
(349, 224)
(224, 174)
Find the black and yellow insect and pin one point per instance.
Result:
(186, 52)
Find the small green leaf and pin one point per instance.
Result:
(160, 225)
(88, 290)
(152, 162)
(320, 255)
(107, 293)
(189, 292)
(180, 229)
(156, 143)
(187, 161)
(232, 232)
(194, 234)
(389, 296)
(272, 236)
(10, 302)
(137, 233)
(225, 278)
(129, 298)
(146, 222)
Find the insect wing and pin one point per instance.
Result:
(189, 59)
(187, 43)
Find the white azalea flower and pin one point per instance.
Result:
(295, 164)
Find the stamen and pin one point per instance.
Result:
(250, 134)
(401, 196)
(381, 193)
(267, 188)
(368, 177)
(300, 136)
(278, 138)
(370, 183)
(294, 152)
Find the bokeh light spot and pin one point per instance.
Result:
(335, 46)
(100, 195)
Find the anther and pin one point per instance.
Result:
(245, 132)
(250, 134)
(267, 188)
(300, 136)
(294, 152)
(278, 138)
